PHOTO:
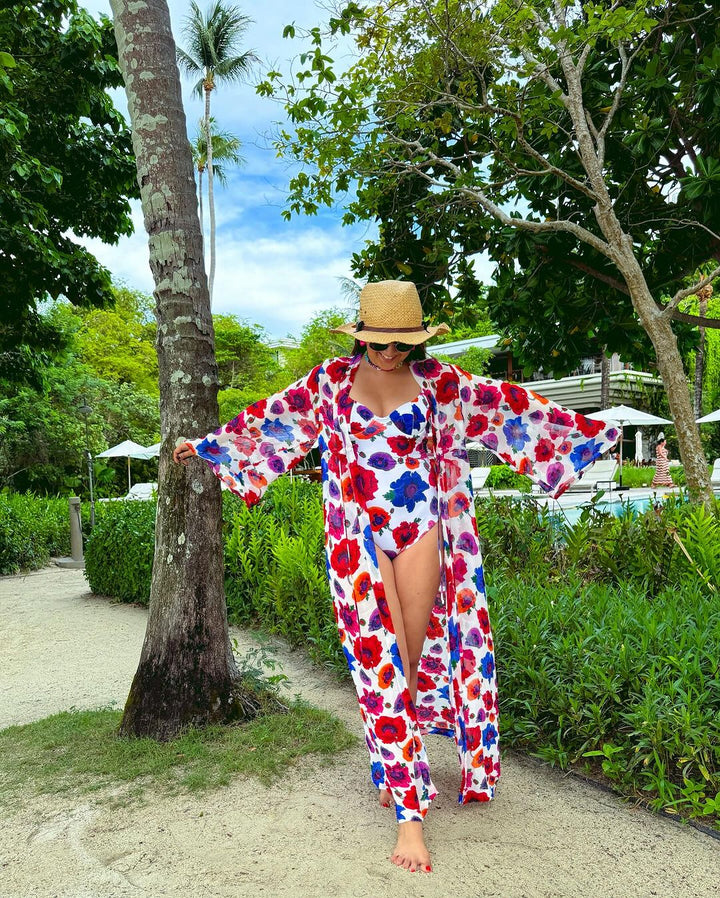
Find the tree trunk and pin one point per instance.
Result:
(674, 378)
(187, 674)
(604, 380)
(700, 358)
(200, 207)
(211, 190)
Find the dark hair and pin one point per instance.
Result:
(415, 354)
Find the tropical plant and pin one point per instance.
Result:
(225, 152)
(186, 675)
(212, 41)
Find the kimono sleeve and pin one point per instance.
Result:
(265, 440)
(537, 437)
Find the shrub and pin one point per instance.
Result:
(32, 530)
(502, 477)
(119, 551)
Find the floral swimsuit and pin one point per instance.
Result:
(394, 475)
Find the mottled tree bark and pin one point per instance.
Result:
(187, 674)
(604, 380)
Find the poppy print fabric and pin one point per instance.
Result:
(457, 694)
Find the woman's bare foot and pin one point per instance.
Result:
(385, 798)
(410, 852)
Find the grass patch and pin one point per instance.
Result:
(80, 752)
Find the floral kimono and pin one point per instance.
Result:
(457, 694)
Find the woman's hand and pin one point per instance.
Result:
(183, 453)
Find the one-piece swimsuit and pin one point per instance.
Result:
(394, 477)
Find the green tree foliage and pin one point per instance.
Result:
(425, 121)
(66, 167)
(42, 432)
(317, 344)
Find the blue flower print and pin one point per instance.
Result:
(409, 422)
(585, 453)
(516, 433)
(213, 451)
(276, 430)
(489, 736)
(488, 665)
(397, 660)
(377, 771)
(407, 491)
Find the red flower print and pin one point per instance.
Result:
(516, 397)
(411, 800)
(487, 397)
(488, 700)
(558, 422)
(390, 729)
(369, 651)
(401, 445)
(488, 765)
(409, 750)
(298, 400)
(544, 449)
(473, 738)
(379, 518)
(405, 533)
(244, 445)
(361, 586)
(497, 419)
(459, 568)
(525, 466)
(588, 427)
(255, 478)
(412, 463)
(458, 504)
(435, 628)
(465, 600)
(372, 701)
(484, 620)
(469, 662)
(474, 795)
(364, 482)
(477, 425)
(446, 388)
(257, 409)
(397, 776)
(565, 447)
(386, 675)
(425, 683)
(345, 557)
(347, 492)
(473, 689)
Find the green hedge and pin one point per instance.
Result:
(32, 530)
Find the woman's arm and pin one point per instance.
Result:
(548, 442)
(265, 440)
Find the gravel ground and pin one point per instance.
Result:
(321, 832)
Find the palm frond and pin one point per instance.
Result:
(236, 68)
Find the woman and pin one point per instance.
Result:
(401, 539)
(662, 466)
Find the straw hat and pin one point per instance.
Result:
(390, 311)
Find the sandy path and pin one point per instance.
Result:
(321, 832)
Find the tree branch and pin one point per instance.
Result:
(668, 309)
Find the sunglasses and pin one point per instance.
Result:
(401, 347)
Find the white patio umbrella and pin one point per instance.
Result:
(151, 451)
(622, 415)
(707, 419)
(126, 448)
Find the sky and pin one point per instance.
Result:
(269, 271)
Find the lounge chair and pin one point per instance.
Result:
(715, 473)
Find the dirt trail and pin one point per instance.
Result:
(320, 833)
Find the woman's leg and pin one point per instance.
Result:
(407, 587)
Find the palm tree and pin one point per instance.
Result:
(212, 54)
(225, 152)
(186, 675)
